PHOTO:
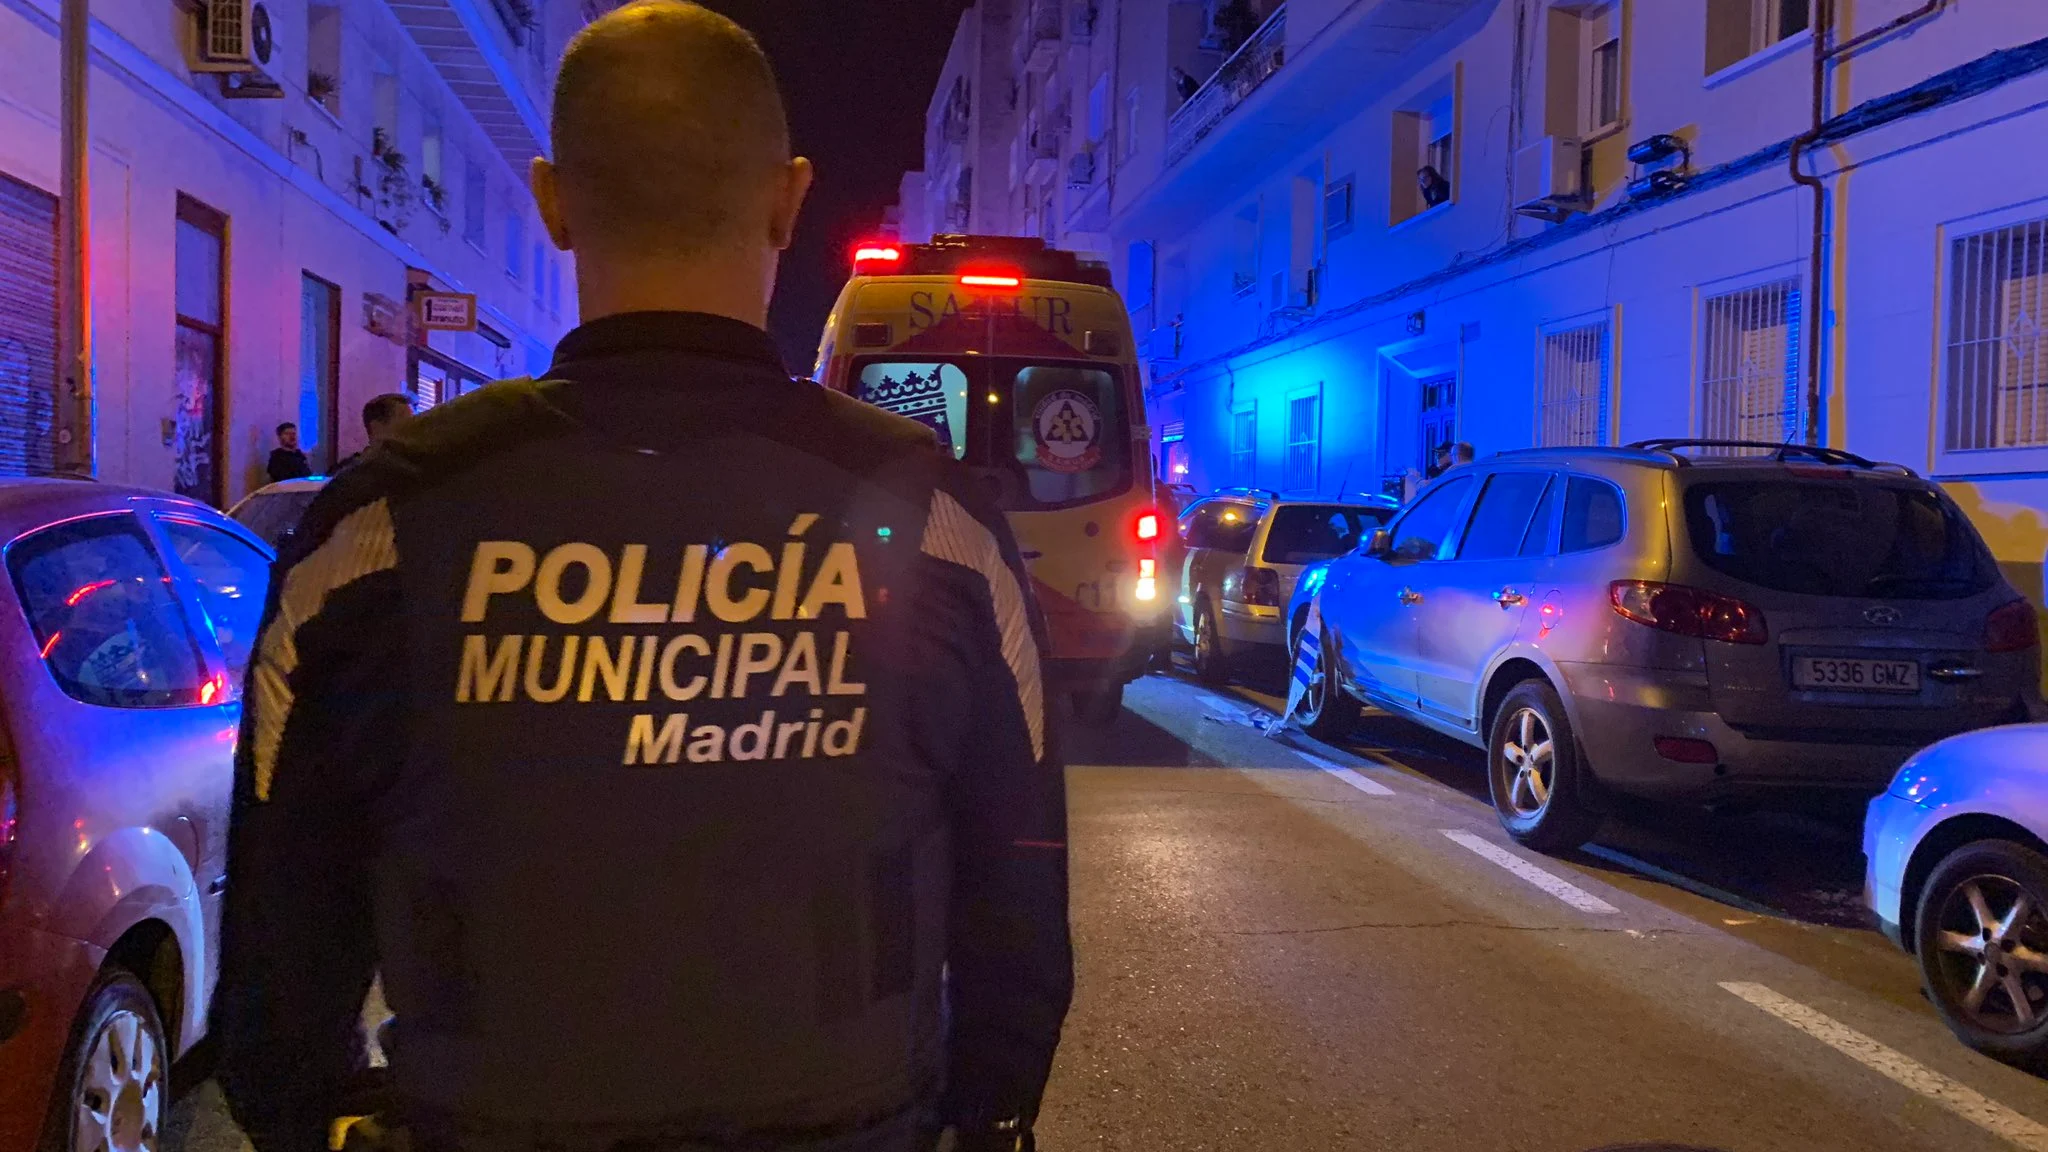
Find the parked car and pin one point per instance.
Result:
(126, 618)
(1241, 552)
(1957, 852)
(1679, 626)
(274, 510)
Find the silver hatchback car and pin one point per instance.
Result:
(1243, 550)
(1691, 621)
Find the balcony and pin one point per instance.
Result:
(1256, 62)
(1042, 154)
(1041, 32)
(489, 59)
(1082, 169)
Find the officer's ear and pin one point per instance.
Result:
(792, 184)
(546, 199)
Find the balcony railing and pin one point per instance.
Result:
(1250, 66)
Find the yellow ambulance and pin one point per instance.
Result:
(1019, 358)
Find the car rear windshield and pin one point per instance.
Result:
(1305, 533)
(1849, 538)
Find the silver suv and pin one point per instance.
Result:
(1683, 620)
(1243, 549)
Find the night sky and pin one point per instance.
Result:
(857, 77)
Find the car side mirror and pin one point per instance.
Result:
(1380, 543)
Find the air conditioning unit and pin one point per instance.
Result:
(1550, 177)
(233, 38)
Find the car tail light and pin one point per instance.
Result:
(2011, 628)
(1688, 611)
(1259, 586)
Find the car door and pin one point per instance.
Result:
(1371, 610)
(1474, 600)
(225, 579)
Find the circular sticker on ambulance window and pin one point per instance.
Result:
(1068, 428)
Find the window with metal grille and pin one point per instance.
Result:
(1244, 444)
(1749, 364)
(1997, 389)
(1304, 440)
(1572, 385)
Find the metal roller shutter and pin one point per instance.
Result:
(28, 329)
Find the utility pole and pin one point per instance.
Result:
(74, 449)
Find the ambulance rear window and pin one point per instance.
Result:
(933, 394)
(1071, 433)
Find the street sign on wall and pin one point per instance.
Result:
(446, 311)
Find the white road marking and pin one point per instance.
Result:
(1564, 890)
(1364, 784)
(1965, 1102)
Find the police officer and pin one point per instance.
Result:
(667, 733)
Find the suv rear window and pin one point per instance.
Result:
(1305, 533)
(1824, 538)
(1223, 525)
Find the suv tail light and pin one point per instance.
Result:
(2011, 628)
(1688, 611)
(1260, 586)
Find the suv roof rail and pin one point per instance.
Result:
(1778, 452)
(1240, 490)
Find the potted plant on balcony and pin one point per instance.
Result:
(394, 185)
(320, 87)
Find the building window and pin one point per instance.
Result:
(1425, 156)
(1749, 364)
(197, 448)
(319, 370)
(540, 294)
(1339, 200)
(1304, 439)
(384, 106)
(1739, 29)
(474, 198)
(555, 287)
(1572, 385)
(1244, 444)
(430, 150)
(1996, 393)
(1583, 55)
(515, 244)
(323, 56)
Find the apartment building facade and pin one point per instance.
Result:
(1380, 225)
(274, 183)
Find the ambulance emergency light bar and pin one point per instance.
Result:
(998, 262)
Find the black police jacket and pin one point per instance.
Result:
(662, 731)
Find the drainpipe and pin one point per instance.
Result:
(1823, 54)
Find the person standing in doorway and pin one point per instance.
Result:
(287, 460)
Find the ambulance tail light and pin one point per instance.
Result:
(1148, 527)
(1148, 578)
(876, 259)
(999, 278)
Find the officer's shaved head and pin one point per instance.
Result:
(672, 179)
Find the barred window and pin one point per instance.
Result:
(1749, 364)
(1244, 445)
(1304, 440)
(1572, 386)
(1997, 389)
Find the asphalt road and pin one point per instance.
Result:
(1291, 945)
